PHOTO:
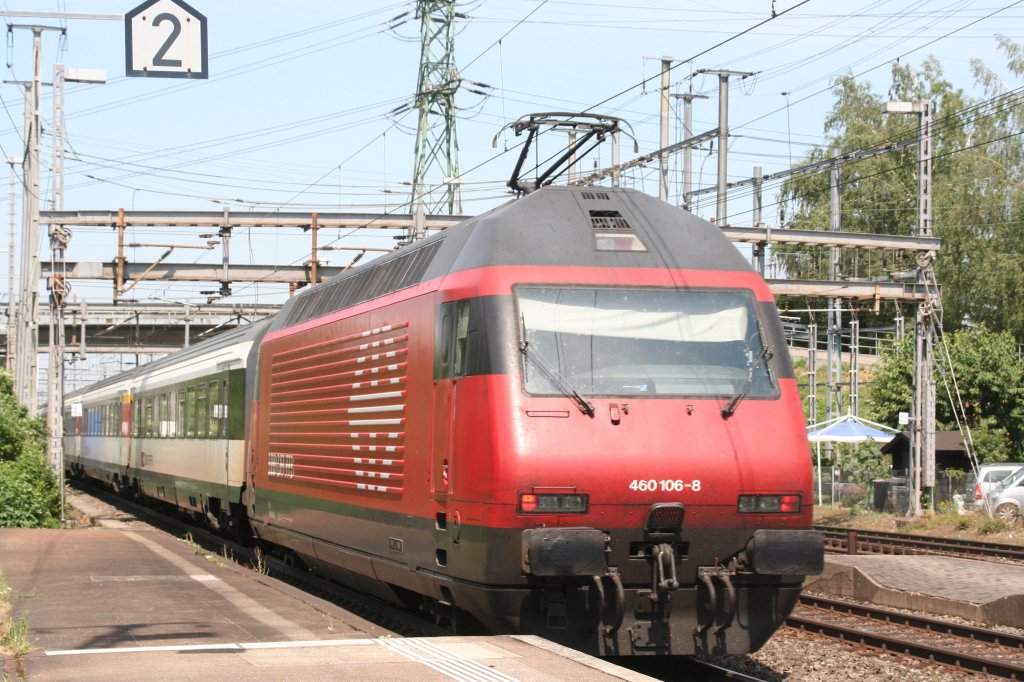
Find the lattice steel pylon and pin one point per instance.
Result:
(437, 148)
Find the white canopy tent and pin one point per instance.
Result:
(847, 429)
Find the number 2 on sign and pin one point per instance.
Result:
(666, 485)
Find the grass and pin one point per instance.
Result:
(260, 565)
(13, 639)
(943, 522)
(200, 551)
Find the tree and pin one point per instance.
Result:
(978, 190)
(29, 493)
(989, 378)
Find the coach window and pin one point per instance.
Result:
(161, 415)
(182, 411)
(172, 414)
(137, 418)
(148, 427)
(224, 424)
(202, 411)
(189, 418)
(215, 408)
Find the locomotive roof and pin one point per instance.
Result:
(553, 226)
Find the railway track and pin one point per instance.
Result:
(855, 541)
(966, 647)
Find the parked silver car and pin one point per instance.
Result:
(988, 480)
(1007, 500)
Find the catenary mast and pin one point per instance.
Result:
(437, 149)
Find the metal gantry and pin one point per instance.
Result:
(437, 147)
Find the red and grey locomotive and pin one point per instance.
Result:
(572, 416)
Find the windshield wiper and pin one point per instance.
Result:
(560, 382)
(730, 407)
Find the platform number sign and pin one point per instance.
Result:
(165, 39)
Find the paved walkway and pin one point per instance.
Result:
(131, 603)
(982, 591)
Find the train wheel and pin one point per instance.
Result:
(1007, 512)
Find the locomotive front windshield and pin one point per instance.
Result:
(626, 342)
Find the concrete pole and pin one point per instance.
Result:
(571, 177)
(760, 247)
(666, 66)
(616, 174)
(812, 373)
(12, 326)
(854, 366)
(723, 147)
(688, 98)
(34, 268)
(835, 313)
(922, 426)
(21, 366)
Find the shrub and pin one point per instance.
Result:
(29, 493)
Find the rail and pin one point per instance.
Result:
(858, 541)
(965, 647)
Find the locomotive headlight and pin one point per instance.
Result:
(530, 503)
(768, 504)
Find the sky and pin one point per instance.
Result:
(299, 110)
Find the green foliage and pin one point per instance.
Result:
(19, 434)
(978, 190)
(991, 526)
(13, 637)
(989, 380)
(29, 493)
(860, 463)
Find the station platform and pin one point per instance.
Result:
(984, 592)
(133, 603)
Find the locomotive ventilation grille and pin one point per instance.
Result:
(608, 220)
(369, 281)
(338, 412)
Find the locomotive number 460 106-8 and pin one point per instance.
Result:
(666, 485)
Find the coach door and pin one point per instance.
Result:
(125, 441)
(219, 423)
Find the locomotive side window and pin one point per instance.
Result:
(637, 342)
(461, 337)
(446, 339)
(460, 347)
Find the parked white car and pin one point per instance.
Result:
(988, 479)
(1007, 499)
